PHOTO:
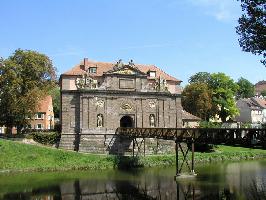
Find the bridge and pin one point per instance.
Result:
(248, 137)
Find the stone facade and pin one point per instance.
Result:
(97, 98)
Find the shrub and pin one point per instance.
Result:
(246, 125)
(46, 137)
(206, 124)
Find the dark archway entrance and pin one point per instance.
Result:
(126, 122)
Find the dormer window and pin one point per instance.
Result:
(93, 70)
(152, 74)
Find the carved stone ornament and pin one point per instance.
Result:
(86, 82)
(125, 71)
(126, 107)
(161, 85)
(100, 103)
(152, 104)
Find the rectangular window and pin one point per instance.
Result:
(39, 126)
(126, 84)
(152, 74)
(39, 116)
(93, 70)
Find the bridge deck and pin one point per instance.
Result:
(245, 136)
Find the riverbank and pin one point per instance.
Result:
(18, 157)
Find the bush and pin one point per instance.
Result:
(246, 125)
(46, 137)
(206, 124)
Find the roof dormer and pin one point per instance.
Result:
(151, 74)
(92, 70)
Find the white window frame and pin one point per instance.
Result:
(37, 116)
(152, 74)
(37, 126)
(92, 70)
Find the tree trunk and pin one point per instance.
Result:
(9, 130)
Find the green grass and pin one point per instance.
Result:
(15, 156)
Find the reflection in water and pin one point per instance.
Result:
(225, 181)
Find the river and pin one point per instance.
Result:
(237, 180)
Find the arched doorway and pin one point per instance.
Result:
(126, 122)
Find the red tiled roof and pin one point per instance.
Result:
(44, 104)
(105, 66)
(260, 102)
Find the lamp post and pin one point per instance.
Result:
(50, 117)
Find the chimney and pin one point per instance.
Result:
(85, 64)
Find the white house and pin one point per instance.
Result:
(252, 110)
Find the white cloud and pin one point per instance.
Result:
(222, 10)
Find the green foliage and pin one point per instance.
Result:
(224, 89)
(25, 78)
(246, 89)
(200, 77)
(55, 93)
(216, 98)
(197, 100)
(252, 27)
(46, 137)
(208, 124)
(263, 93)
(245, 125)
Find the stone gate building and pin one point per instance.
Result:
(98, 97)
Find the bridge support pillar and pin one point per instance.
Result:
(183, 159)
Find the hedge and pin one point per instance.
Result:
(46, 137)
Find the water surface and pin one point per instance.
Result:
(242, 180)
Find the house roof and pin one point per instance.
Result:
(189, 117)
(45, 103)
(253, 103)
(102, 67)
(260, 102)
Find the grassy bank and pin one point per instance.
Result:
(15, 156)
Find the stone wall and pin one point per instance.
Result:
(81, 108)
(113, 144)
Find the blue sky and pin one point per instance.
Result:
(180, 36)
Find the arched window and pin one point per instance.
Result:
(152, 120)
(99, 120)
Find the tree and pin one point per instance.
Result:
(25, 78)
(246, 89)
(197, 100)
(263, 93)
(55, 93)
(224, 90)
(200, 77)
(252, 27)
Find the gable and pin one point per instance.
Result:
(125, 69)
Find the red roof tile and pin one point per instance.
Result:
(44, 104)
(105, 66)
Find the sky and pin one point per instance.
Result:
(182, 37)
